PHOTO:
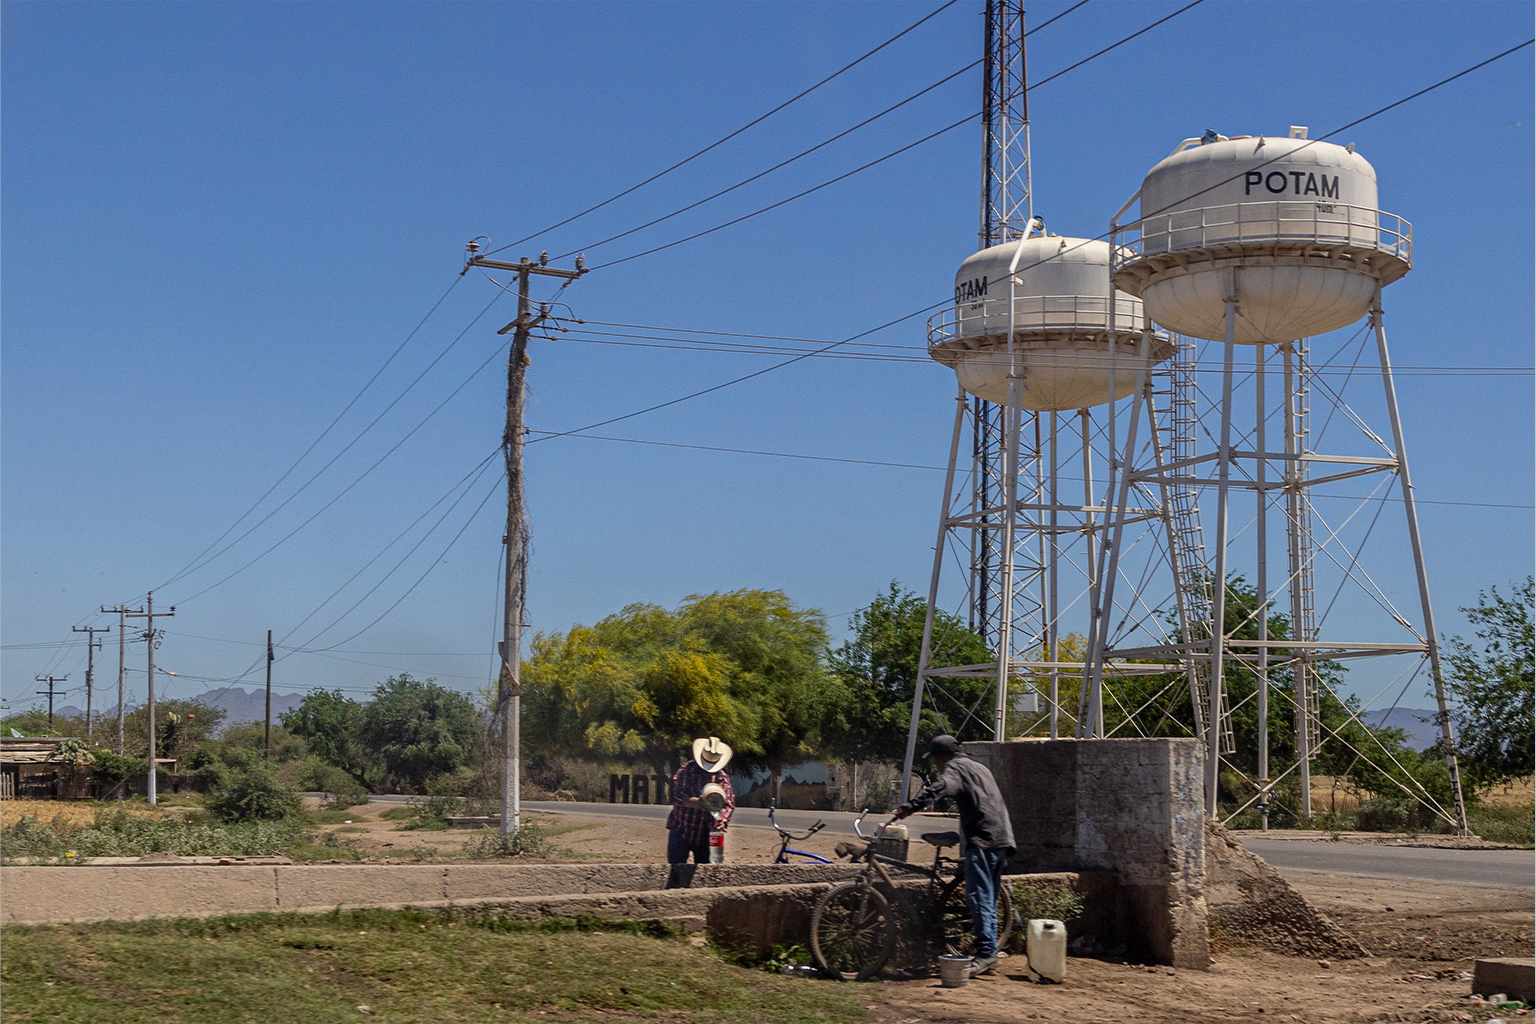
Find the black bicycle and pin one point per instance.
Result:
(854, 926)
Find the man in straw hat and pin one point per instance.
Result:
(988, 837)
(690, 821)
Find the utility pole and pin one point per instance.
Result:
(268, 733)
(50, 680)
(515, 543)
(151, 641)
(122, 665)
(91, 646)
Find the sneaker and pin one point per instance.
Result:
(983, 965)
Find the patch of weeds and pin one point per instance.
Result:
(347, 829)
(322, 846)
(330, 817)
(1513, 825)
(397, 814)
(1051, 901)
(774, 959)
(530, 840)
(116, 833)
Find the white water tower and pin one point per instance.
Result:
(1268, 241)
(1056, 305)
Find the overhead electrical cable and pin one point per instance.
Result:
(467, 481)
(323, 434)
(726, 138)
(359, 479)
(879, 160)
(764, 173)
(348, 447)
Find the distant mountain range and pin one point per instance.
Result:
(239, 705)
(1418, 723)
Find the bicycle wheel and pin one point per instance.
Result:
(955, 918)
(852, 933)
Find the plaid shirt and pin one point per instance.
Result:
(695, 822)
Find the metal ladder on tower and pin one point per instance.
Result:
(1186, 539)
(1302, 550)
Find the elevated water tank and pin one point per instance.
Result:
(1061, 326)
(1294, 221)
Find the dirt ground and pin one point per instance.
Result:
(1423, 935)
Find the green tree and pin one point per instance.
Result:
(419, 730)
(878, 672)
(181, 726)
(331, 723)
(1493, 686)
(642, 684)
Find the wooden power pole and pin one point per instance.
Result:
(91, 646)
(49, 693)
(267, 734)
(515, 543)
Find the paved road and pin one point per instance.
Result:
(1506, 869)
(1500, 868)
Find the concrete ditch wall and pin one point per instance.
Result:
(51, 895)
(1132, 807)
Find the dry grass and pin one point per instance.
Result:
(77, 813)
(1519, 794)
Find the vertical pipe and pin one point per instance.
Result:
(1091, 558)
(1098, 644)
(933, 598)
(1261, 579)
(1053, 613)
(1219, 608)
(1432, 642)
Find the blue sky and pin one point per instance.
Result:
(221, 219)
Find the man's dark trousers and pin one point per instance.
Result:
(983, 878)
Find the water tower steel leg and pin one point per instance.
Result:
(933, 597)
(1053, 650)
(1261, 578)
(1431, 640)
(1099, 643)
(1092, 561)
(1013, 416)
(1219, 570)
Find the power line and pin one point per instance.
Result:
(726, 138)
(948, 300)
(880, 160)
(323, 434)
(317, 474)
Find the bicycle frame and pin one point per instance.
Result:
(785, 836)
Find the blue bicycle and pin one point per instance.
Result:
(786, 836)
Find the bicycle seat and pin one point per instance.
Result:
(943, 840)
(851, 849)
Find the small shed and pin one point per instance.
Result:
(27, 767)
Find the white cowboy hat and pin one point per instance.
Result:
(711, 754)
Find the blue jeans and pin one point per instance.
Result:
(983, 878)
(680, 845)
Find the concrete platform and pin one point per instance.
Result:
(1512, 976)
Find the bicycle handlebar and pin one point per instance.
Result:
(786, 832)
(860, 832)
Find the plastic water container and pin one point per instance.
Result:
(894, 842)
(1047, 949)
(716, 847)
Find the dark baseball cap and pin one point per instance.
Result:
(943, 746)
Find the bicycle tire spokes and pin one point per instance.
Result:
(852, 932)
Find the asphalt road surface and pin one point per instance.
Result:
(1506, 869)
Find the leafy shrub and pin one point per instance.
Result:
(253, 793)
(1389, 814)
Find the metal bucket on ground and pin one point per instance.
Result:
(954, 971)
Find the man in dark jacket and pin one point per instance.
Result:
(988, 837)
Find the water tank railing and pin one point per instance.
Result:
(1272, 222)
(1034, 313)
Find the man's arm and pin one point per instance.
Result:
(947, 784)
(730, 801)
